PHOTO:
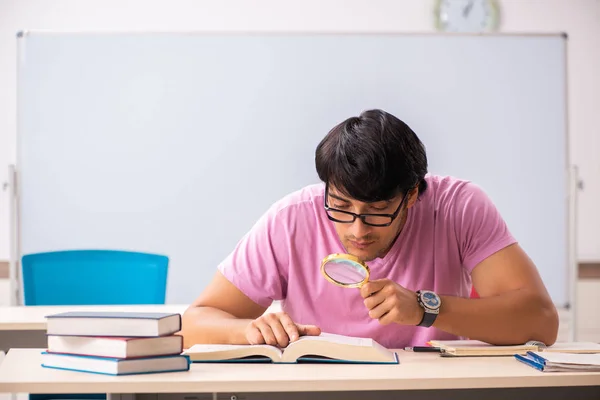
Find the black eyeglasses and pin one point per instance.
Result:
(347, 217)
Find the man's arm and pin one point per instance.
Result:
(223, 314)
(514, 306)
(219, 315)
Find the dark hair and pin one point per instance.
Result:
(372, 157)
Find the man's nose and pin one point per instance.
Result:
(358, 229)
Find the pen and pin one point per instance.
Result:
(423, 349)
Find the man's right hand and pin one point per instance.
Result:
(277, 329)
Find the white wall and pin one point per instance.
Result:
(579, 18)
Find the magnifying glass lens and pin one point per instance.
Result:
(346, 272)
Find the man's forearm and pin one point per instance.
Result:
(210, 325)
(510, 318)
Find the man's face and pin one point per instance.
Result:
(365, 241)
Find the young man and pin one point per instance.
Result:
(415, 232)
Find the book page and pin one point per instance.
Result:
(459, 343)
(338, 347)
(200, 352)
(567, 358)
(476, 345)
(340, 339)
(574, 347)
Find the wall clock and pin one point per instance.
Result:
(467, 15)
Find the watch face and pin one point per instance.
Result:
(430, 299)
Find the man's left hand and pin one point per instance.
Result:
(391, 303)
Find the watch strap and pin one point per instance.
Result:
(428, 319)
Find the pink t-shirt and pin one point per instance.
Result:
(452, 228)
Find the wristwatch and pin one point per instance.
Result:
(431, 303)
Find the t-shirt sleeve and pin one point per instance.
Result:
(257, 266)
(481, 230)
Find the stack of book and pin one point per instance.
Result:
(115, 343)
(467, 348)
(560, 357)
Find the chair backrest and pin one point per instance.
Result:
(94, 277)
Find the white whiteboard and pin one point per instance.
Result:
(175, 143)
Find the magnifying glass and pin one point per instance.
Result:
(345, 270)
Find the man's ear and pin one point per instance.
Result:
(412, 197)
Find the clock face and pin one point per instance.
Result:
(466, 15)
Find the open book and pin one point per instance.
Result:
(478, 348)
(324, 348)
(560, 362)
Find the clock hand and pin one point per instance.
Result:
(467, 9)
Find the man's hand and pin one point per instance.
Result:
(277, 329)
(391, 303)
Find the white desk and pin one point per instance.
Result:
(422, 375)
(33, 318)
(25, 326)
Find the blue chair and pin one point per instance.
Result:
(92, 277)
